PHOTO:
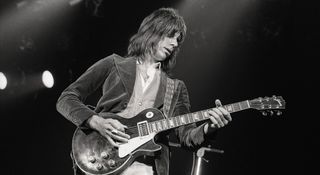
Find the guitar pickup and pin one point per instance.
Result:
(143, 128)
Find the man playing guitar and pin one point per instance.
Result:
(136, 82)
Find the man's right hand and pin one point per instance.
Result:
(111, 129)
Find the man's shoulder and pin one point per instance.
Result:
(176, 80)
(178, 83)
(113, 57)
(117, 58)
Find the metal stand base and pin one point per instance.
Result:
(198, 158)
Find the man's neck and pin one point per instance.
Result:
(148, 61)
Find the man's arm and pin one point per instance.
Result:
(188, 135)
(71, 101)
(191, 135)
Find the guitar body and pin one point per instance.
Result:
(94, 154)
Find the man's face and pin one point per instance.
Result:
(166, 47)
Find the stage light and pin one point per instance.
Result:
(74, 2)
(47, 79)
(3, 81)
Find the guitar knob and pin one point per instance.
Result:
(91, 159)
(264, 113)
(111, 163)
(279, 113)
(104, 155)
(99, 166)
(271, 113)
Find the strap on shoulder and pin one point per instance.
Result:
(168, 96)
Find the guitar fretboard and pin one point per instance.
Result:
(173, 122)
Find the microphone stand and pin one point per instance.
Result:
(200, 153)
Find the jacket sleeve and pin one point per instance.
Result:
(71, 101)
(188, 135)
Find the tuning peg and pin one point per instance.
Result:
(264, 113)
(271, 113)
(279, 113)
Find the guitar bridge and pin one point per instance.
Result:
(143, 128)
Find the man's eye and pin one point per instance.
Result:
(171, 36)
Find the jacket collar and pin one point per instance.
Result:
(127, 71)
(127, 68)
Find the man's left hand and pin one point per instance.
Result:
(219, 117)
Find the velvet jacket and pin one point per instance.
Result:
(116, 75)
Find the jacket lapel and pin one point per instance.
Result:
(127, 73)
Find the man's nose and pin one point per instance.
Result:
(174, 42)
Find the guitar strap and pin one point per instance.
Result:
(168, 96)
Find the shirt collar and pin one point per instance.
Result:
(155, 65)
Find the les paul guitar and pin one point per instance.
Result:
(94, 155)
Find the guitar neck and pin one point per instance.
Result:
(173, 122)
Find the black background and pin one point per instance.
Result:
(234, 51)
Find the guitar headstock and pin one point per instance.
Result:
(268, 105)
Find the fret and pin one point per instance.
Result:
(183, 121)
(245, 104)
(176, 121)
(159, 125)
(171, 123)
(168, 123)
(237, 106)
(186, 118)
(191, 118)
(233, 109)
(150, 128)
(200, 115)
(240, 107)
(195, 116)
(154, 127)
(164, 124)
(205, 114)
(229, 108)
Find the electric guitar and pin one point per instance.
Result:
(94, 155)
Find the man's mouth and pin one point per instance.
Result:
(168, 50)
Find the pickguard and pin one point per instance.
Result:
(134, 143)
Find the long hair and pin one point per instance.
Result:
(164, 22)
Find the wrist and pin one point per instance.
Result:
(92, 121)
(207, 129)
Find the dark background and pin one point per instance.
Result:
(234, 50)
